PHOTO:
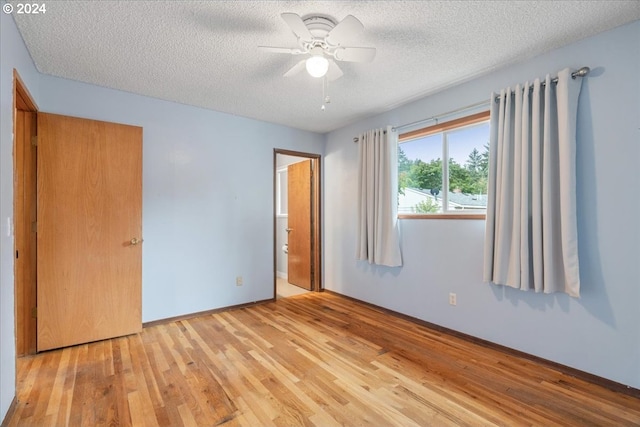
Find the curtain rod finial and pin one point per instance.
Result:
(582, 72)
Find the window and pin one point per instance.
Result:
(443, 169)
(281, 192)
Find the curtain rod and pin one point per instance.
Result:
(436, 118)
(580, 73)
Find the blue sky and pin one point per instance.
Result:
(461, 143)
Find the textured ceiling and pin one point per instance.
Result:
(203, 53)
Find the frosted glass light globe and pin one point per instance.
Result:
(317, 66)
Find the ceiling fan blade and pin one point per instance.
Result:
(297, 26)
(347, 29)
(274, 49)
(296, 68)
(355, 54)
(334, 72)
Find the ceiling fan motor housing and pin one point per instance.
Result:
(324, 39)
(319, 25)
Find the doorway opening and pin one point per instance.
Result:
(297, 242)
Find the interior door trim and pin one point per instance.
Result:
(24, 297)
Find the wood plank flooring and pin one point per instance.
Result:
(309, 360)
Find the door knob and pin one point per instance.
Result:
(288, 230)
(135, 241)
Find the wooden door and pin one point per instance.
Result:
(89, 210)
(299, 224)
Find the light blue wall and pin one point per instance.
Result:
(207, 195)
(208, 216)
(13, 54)
(598, 333)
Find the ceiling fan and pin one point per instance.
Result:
(324, 41)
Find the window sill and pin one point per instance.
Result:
(442, 216)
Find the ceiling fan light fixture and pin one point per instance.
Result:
(317, 66)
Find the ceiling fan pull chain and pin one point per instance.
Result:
(327, 100)
(324, 83)
(325, 93)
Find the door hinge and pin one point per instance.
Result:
(34, 312)
(34, 140)
(34, 226)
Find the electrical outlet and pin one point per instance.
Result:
(239, 281)
(453, 299)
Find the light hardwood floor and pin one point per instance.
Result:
(314, 359)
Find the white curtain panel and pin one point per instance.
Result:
(531, 240)
(377, 236)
